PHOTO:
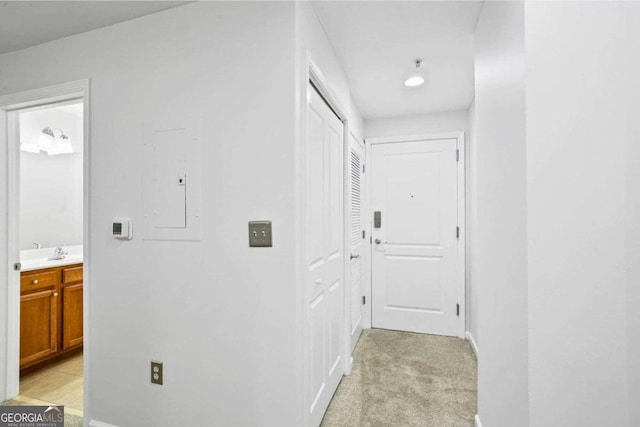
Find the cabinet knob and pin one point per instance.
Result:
(55, 294)
(35, 281)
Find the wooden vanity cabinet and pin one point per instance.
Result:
(72, 290)
(38, 326)
(50, 313)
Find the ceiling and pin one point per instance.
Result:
(28, 23)
(377, 43)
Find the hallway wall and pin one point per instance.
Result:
(501, 262)
(578, 273)
(577, 92)
(471, 182)
(200, 307)
(417, 124)
(631, 43)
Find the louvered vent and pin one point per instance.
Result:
(356, 223)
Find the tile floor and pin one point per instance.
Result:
(60, 383)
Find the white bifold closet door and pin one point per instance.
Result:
(325, 233)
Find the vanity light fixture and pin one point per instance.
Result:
(415, 79)
(50, 143)
(29, 148)
(45, 141)
(61, 145)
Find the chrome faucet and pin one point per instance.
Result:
(58, 253)
(37, 245)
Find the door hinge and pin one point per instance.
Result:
(458, 310)
(363, 168)
(457, 155)
(364, 300)
(457, 232)
(370, 241)
(363, 234)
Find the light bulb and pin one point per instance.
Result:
(414, 81)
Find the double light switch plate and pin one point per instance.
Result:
(260, 234)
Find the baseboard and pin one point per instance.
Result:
(472, 341)
(477, 419)
(94, 423)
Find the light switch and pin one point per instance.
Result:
(260, 234)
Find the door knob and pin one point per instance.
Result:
(378, 241)
(355, 256)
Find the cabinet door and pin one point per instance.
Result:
(72, 315)
(38, 325)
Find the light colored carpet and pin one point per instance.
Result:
(406, 379)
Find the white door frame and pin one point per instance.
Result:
(461, 262)
(312, 73)
(363, 225)
(10, 347)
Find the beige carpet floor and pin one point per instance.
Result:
(406, 379)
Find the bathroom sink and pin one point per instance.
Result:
(40, 258)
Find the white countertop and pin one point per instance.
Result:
(36, 259)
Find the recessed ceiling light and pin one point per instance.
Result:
(415, 79)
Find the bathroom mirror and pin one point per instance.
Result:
(51, 174)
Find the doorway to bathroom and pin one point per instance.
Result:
(46, 153)
(50, 229)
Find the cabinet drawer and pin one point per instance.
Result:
(73, 274)
(42, 279)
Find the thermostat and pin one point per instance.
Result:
(122, 229)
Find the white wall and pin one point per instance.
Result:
(581, 213)
(356, 125)
(471, 156)
(501, 253)
(311, 39)
(4, 254)
(219, 314)
(577, 87)
(50, 186)
(631, 42)
(418, 124)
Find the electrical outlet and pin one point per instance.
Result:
(156, 372)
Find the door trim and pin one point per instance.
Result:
(461, 258)
(310, 72)
(10, 347)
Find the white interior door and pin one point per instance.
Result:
(356, 263)
(415, 283)
(325, 228)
